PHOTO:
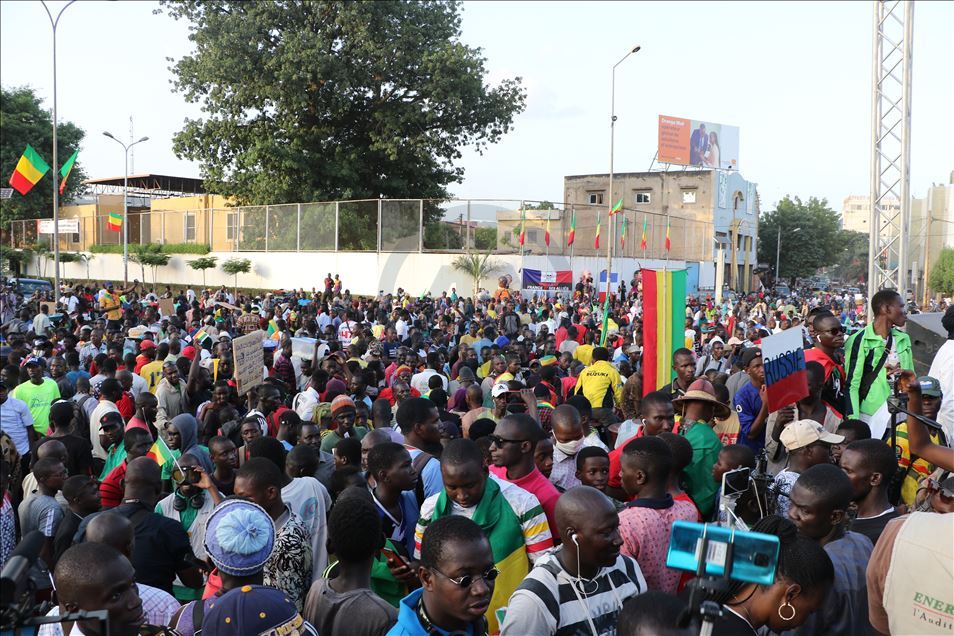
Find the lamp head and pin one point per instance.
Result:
(636, 49)
(108, 134)
(143, 139)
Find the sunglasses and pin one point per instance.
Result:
(468, 579)
(496, 440)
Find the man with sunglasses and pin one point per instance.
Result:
(829, 339)
(458, 578)
(512, 447)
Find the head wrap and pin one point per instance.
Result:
(239, 537)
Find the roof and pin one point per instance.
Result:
(159, 183)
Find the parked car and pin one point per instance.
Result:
(781, 291)
(27, 286)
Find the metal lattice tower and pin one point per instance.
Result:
(891, 61)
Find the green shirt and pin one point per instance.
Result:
(331, 439)
(38, 398)
(115, 455)
(186, 517)
(700, 485)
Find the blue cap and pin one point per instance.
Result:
(269, 344)
(254, 609)
(239, 537)
(33, 360)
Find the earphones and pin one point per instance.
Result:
(181, 502)
(575, 540)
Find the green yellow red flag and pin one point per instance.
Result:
(66, 169)
(30, 169)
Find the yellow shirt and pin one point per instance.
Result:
(111, 299)
(484, 369)
(377, 330)
(152, 373)
(584, 353)
(468, 340)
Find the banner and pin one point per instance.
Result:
(601, 286)
(692, 142)
(67, 226)
(249, 361)
(538, 280)
(664, 324)
(785, 377)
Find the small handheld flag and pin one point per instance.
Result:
(114, 221)
(572, 235)
(642, 242)
(617, 208)
(596, 241)
(66, 169)
(30, 169)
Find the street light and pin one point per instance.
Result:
(125, 202)
(610, 223)
(778, 250)
(56, 192)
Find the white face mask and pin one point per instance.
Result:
(569, 448)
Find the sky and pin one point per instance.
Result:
(794, 77)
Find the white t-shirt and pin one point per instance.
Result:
(309, 499)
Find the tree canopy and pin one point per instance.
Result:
(316, 101)
(942, 274)
(819, 243)
(25, 121)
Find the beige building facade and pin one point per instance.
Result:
(856, 212)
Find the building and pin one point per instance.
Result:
(932, 230)
(704, 210)
(856, 212)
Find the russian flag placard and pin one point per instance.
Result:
(785, 377)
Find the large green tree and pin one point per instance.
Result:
(24, 121)
(819, 243)
(942, 274)
(315, 101)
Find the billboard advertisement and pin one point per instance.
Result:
(538, 280)
(703, 144)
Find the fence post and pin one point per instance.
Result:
(298, 233)
(467, 234)
(336, 224)
(420, 229)
(379, 224)
(238, 229)
(266, 228)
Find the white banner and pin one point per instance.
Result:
(67, 226)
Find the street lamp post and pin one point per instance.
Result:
(611, 238)
(56, 192)
(778, 250)
(125, 202)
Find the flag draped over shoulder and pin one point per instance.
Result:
(66, 169)
(664, 323)
(572, 235)
(30, 169)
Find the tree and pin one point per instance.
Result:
(476, 265)
(25, 121)
(236, 266)
(42, 251)
(941, 279)
(86, 259)
(140, 253)
(315, 101)
(817, 244)
(485, 238)
(544, 205)
(202, 264)
(15, 259)
(852, 264)
(155, 261)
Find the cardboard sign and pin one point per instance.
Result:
(249, 361)
(785, 377)
(166, 307)
(228, 306)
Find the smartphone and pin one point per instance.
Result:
(735, 482)
(391, 555)
(754, 555)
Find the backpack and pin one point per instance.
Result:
(418, 464)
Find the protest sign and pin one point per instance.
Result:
(784, 360)
(166, 307)
(249, 361)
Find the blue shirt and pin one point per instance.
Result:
(748, 404)
(431, 473)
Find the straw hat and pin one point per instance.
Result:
(702, 391)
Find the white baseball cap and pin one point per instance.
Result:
(501, 388)
(801, 433)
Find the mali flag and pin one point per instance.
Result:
(160, 452)
(546, 237)
(30, 169)
(572, 235)
(617, 208)
(114, 221)
(664, 323)
(668, 242)
(622, 235)
(642, 242)
(523, 227)
(66, 169)
(596, 241)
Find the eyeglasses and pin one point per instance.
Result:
(496, 440)
(468, 579)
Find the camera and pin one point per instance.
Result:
(186, 475)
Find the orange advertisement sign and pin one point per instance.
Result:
(673, 140)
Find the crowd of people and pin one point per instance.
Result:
(448, 465)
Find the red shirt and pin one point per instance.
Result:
(111, 489)
(126, 406)
(538, 486)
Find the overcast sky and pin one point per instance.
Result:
(794, 77)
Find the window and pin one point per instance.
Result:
(643, 198)
(189, 231)
(688, 196)
(533, 236)
(596, 198)
(231, 226)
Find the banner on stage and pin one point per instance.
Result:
(785, 377)
(539, 280)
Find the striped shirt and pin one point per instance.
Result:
(546, 603)
(526, 507)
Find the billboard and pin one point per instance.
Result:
(67, 226)
(538, 280)
(692, 142)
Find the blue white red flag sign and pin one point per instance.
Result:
(784, 360)
(538, 280)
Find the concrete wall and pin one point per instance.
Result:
(362, 273)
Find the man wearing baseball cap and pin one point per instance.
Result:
(808, 444)
(931, 398)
